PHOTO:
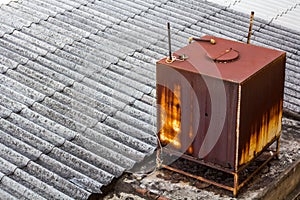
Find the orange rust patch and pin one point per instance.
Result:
(171, 122)
(262, 133)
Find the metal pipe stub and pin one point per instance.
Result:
(212, 41)
(169, 41)
(250, 27)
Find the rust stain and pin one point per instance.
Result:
(191, 136)
(190, 150)
(254, 91)
(171, 129)
(262, 133)
(171, 132)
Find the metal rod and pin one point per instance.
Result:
(250, 27)
(241, 168)
(256, 171)
(277, 147)
(235, 184)
(193, 159)
(198, 178)
(169, 40)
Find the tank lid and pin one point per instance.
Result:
(226, 59)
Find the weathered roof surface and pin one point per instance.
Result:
(284, 12)
(77, 85)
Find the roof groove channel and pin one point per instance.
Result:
(70, 174)
(25, 136)
(15, 22)
(30, 153)
(15, 18)
(77, 181)
(124, 138)
(124, 79)
(24, 90)
(83, 23)
(114, 151)
(159, 39)
(33, 84)
(81, 166)
(38, 186)
(20, 14)
(19, 191)
(34, 39)
(138, 75)
(126, 20)
(283, 12)
(93, 56)
(59, 182)
(110, 9)
(43, 12)
(21, 161)
(100, 156)
(56, 27)
(27, 79)
(139, 32)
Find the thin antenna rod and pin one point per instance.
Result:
(169, 40)
(250, 27)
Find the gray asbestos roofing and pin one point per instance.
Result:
(283, 12)
(77, 85)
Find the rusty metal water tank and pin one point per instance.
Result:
(243, 121)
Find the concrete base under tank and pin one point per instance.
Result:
(278, 180)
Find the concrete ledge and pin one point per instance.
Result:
(286, 183)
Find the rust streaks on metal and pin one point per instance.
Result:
(170, 116)
(263, 132)
(253, 85)
(261, 109)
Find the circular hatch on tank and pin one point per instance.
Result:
(228, 55)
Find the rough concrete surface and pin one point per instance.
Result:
(170, 185)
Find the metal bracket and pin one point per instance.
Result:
(236, 185)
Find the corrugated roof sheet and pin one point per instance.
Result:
(290, 18)
(284, 12)
(77, 85)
